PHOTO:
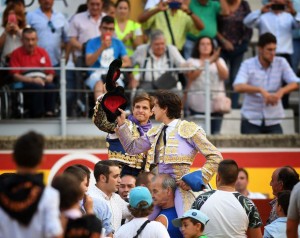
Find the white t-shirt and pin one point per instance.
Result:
(159, 63)
(228, 218)
(153, 229)
(196, 96)
(45, 222)
(256, 195)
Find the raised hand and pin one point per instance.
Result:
(121, 119)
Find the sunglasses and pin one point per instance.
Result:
(108, 28)
(50, 24)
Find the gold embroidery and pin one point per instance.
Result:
(187, 129)
(177, 159)
(154, 130)
(134, 161)
(100, 120)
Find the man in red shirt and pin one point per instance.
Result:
(41, 103)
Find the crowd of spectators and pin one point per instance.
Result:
(168, 34)
(115, 206)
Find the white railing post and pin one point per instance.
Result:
(63, 97)
(207, 98)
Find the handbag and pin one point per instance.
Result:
(221, 104)
(165, 81)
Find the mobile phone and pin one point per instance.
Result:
(107, 36)
(278, 7)
(12, 18)
(174, 5)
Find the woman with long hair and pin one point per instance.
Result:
(128, 31)
(13, 21)
(205, 50)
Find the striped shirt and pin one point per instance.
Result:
(253, 73)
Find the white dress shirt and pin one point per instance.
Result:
(116, 204)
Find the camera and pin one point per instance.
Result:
(174, 5)
(280, 7)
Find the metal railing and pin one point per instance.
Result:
(63, 89)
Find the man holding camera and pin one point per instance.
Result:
(279, 18)
(101, 51)
(174, 18)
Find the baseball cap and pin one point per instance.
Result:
(139, 194)
(193, 213)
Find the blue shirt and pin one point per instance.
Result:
(116, 50)
(171, 214)
(253, 73)
(276, 229)
(50, 35)
(102, 211)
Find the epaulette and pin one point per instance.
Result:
(154, 130)
(188, 129)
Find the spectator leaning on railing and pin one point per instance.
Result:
(260, 79)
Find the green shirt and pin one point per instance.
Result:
(208, 14)
(203, 236)
(131, 26)
(180, 22)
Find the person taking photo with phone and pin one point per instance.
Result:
(100, 52)
(177, 16)
(13, 21)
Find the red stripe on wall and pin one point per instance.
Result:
(244, 159)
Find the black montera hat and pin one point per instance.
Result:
(115, 97)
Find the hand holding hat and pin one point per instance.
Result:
(115, 97)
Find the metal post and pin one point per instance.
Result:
(207, 98)
(63, 98)
(299, 108)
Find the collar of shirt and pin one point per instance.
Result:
(72, 213)
(25, 52)
(88, 14)
(163, 56)
(39, 10)
(171, 127)
(102, 194)
(260, 65)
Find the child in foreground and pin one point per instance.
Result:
(192, 223)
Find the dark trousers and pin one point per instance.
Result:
(249, 128)
(40, 101)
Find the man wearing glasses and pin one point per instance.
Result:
(100, 52)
